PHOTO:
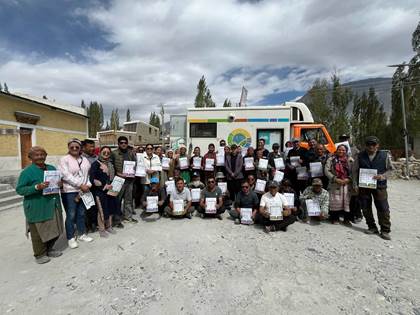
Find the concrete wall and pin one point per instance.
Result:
(149, 134)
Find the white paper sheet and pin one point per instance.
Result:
(249, 163)
(195, 194)
(290, 197)
(278, 176)
(178, 207)
(246, 215)
(366, 178)
(152, 203)
(302, 174)
(129, 168)
(262, 164)
(209, 165)
(260, 186)
(223, 187)
(170, 186)
(165, 163)
(220, 159)
(313, 208)
(53, 177)
(294, 161)
(211, 205)
(279, 163)
(197, 162)
(87, 199)
(156, 165)
(117, 184)
(140, 168)
(183, 163)
(276, 211)
(316, 169)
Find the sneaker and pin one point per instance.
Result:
(385, 236)
(219, 216)
(42, 260)
(371, 231)
(111, 231)
(119, 225)
(188, 216)
(284, 229)
(103, 234)
(132, 220)
(54, 253)
(267, 229)
(237, 221)
(335, 222)
(85, 238)
(357, 220)
(347, 223)
(73, 243)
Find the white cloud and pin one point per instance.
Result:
(163, 48)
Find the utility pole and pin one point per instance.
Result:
(162, 124)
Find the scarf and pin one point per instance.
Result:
(341, 167)
(107, 167)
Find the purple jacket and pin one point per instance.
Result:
(238, 167)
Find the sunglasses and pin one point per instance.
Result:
(149, 148)
(245, 187)
(211, 182)
(123, 142)
(74, 148)
(106, 153)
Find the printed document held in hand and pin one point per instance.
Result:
(209, 166)
(279, 163)
(276, 211)
(197, 163)
(316, 169)
(178, 207)
(262, 164)
(313, 208)
(211, 205)
(116, 184)
(129, 168)
(223, 187)
(295, 161)
(290, 197)
(195, 194)
(183, 163)
(249, 163)
(165, 163)
(87, 199)
(278, 176)
(170, 186)
(152, 203)
(302, 174)
(246, 215)
(53, 177)
(141, 167)
(260, 186)
(366, 178)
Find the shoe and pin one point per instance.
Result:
(371, 231)
(132, 220)
(284, 229)
(119, 225)
(335, 222)
(188, 216)
(42, 260)
(103, 234)
(347, 223)
(267, 229)
(73, 243)
(54, 253)
(385, 236)
(85, 238)
(219, 216)
(237, 221)
(111, 231)
(357, 220)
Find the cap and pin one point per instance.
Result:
(295, 140)
(195, 174)
(219, 175)
(275, 146)
(344, 136)
(316, 182)
(371, 140)
(154, 180)
(272, 183)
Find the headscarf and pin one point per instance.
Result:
(341, 167)
(107, 166)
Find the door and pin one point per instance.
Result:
(25, 145)
(270, 136)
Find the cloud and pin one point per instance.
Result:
(157, 50)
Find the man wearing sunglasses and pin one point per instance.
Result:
(246, 198)
(123, 153)
(211, 191)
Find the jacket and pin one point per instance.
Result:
(238, 167)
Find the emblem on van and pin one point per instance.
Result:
(240, 137)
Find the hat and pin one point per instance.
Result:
(195, 174)
(295, 140)
(316, 182)
(371, 140)
(154, 180)
(344, 136)
(220, 175)
(272, 183)
(276, 146)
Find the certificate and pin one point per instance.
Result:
(170, 186)
(195, 194)
(141, 168)
(129, 168)
(165, 163)
(152, 203)
(302, 174)
(116, 184)
(87, 199)
(276, 211)
(183, 163)
(53, 177)
(262, 164)
(156, 165)
(244, 151)
(313, 208)
(197, 162)
(295, 161)
(279, 163)
(246, 215)
(209, 166)
(249, 163)
(223, 187)
(211, 205)
(366, 178)
(260, 186)
(178, 207)
(220, 159)
(290, 199)
(316, 169)
(278, 176)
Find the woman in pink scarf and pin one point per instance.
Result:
(338, 171)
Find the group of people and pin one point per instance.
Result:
(101, 188)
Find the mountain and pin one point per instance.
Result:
(382, 88)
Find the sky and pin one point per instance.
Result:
(138, 54)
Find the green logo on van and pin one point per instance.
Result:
(240, 137)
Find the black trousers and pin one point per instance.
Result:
(355, 210)
(234, 186)
(380, 199)
(335, 215)
(218, 211)
(260, 219)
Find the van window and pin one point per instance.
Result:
(203, 130)
(297, 114)
(314, 133)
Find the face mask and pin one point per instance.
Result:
(196, 182)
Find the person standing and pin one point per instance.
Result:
(74, 170)
(373, 158)
(210, 155)
(233, 167)
(182, 164)
(43, 213)
(261, 146)
(123, 153)
(338, 171)
(297, 151)
(88, 151)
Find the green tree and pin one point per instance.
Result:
(6, 88)
(340, 98)
(115, 120)
(208, 100)
(318, 102)
(227, 103)
(128, 115)
(1, 88)
(107, 127)
(96, 118)
(154, 120)
(82, 104)
(203, 97)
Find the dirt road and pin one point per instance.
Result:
(215, 267)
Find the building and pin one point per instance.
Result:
(145, 133)
(110, 137)
(26, 121)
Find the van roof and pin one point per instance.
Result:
(257, 107)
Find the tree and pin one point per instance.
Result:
(128, 115)
(1, 88)
(227, 103)
(208, 101)
(154, 120)
(96, 118)
(115, 120)
(340, 98)
(82, 104)
(318, 102)
(203, 97)
(107, 127)
(6, 88)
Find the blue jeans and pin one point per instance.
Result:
(75, 213)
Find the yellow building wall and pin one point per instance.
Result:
(49, 117)
(54, 142)
(8, 143)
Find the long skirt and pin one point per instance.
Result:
(340, 198)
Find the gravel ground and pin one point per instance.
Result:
(215, 267)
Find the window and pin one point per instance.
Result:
(315, 133)
(155, 132)
(129, 138)
(203, 130)
(296, 114)
(139, 138)
(150, 130)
